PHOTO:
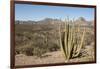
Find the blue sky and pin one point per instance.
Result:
(39, 12)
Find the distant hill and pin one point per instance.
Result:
(49, 21)
(82, 21)
(24, 22)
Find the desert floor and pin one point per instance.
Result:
(55, 57)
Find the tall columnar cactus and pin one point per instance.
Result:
(69, 42)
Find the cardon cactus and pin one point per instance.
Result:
(69, 42)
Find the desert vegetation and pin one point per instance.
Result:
(54, 41)
(71, 40)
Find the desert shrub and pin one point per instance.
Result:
(38, 44)
(31, 41)
(28, 51)
(17, 51)
(53, 47)
(89, 38)
(38, 52)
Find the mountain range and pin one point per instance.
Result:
(50, 21)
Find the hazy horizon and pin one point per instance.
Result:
(27, 12)
(50, 18)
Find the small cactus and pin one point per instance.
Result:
(70, 44)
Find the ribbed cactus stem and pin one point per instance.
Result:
(69, 41)
(81, 43)
(61, 41)
(66, 38)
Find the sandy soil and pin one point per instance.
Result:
(54, 57)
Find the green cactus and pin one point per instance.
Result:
(70, 44)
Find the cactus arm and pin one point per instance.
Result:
(81, 43)
(72, 41)
(61, 42)
(69, 42)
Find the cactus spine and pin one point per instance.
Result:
(70, 44)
